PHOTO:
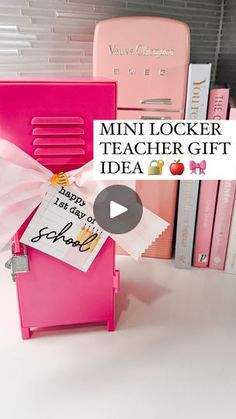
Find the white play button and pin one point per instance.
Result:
(116, 209)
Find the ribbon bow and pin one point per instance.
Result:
(24, 182)
(194, 166)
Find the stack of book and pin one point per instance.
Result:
(206, 219)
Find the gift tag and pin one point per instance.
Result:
(62, 227)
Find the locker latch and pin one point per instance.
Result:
(18, 263)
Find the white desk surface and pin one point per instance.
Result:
(173, 355)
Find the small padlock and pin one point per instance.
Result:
(153, 168)
(18, 263)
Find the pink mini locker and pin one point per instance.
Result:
(53, 122)
(149, 57)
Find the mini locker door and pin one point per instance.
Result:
(53, 122)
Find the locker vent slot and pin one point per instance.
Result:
(59, 140)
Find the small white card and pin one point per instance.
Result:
(62, 227)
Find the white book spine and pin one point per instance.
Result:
(197, 91)
(230, 264)
(196, 108)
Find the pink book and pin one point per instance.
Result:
(222, 224)
(218, 106)
(232, 113)
(230, 263)
(205, 220)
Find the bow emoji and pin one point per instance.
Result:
(194, 166)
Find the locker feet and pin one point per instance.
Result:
(25, 331)
(111, 325)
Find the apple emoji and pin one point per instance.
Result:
(177, 168)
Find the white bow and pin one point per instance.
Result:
(24, 182)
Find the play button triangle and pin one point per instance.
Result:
(116, 209)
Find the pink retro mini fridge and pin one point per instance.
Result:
(149, 58)
(53, 122)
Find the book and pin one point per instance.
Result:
(232, 112)
(188, 196)
(196, 108)
(217, 109)
(197, 91)
(204, 223)
(222, 224)
(230, 264)
(218, 103)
